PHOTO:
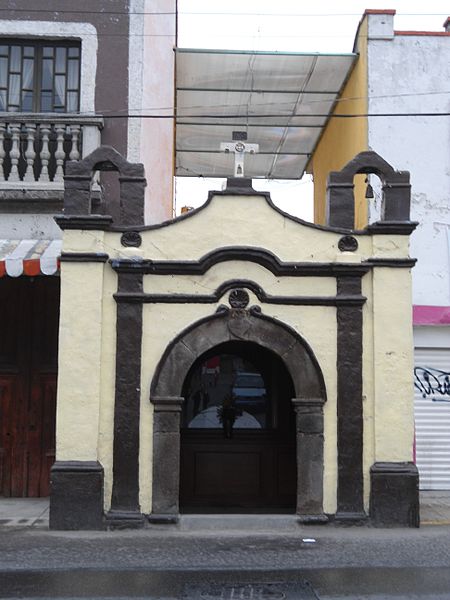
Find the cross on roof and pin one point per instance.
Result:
(239, 149)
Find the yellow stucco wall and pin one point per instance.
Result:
(88, 321)
(80, 360)
(393, 364)
(344, 138)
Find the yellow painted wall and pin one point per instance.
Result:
(393, 365)
(80, 359)
(342, 139)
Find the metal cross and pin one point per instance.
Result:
(239, 149)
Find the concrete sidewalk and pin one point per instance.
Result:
(33, 512)
(24, 512)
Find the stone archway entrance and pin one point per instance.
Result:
(238, 432)
(236, 328)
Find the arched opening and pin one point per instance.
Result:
(238, 445)
(284, 357)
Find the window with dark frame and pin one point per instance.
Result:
(39, 76)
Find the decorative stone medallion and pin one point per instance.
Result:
(131, 239)
(238, 298)
(348, 243)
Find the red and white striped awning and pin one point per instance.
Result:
(29, 257)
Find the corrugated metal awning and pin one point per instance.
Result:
(29, 257)
(281, 100)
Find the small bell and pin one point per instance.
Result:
(369, 189)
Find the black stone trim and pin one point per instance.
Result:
(86, 222)
(227, 192)
(309, 450)
(287, 343)
(351, 518)
(341, 300)
(132, 179)
(131, 239)
(394, 494)
(167, 383)
(348, 243)
(76, 499)
(84, 257)
(320, 519)
(238, 298)
(349, 402)
(121, 519)
(259, 256)
(166, 458)
(125, 509)
(156, 519)
(407, 263)
(396, 190)
(392, 227)
(241, 186)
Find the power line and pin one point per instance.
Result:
(289, 103)
(215, 35)
(274, 115)
(209, 13)
(223, 35)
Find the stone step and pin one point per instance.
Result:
(238, 522)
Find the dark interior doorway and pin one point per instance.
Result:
(238, 432)
(29, 309)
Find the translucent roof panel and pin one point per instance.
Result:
(281, 101)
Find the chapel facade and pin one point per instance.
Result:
(234, 359)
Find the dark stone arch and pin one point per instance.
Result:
(228, 325)
(166, 389)
(396, 190)
(105, 158)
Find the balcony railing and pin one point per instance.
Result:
(35, 147)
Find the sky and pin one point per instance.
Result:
(286, 26)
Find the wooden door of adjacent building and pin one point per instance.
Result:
(29, 310)
(250, 464)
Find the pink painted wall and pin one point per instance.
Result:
(431, 315)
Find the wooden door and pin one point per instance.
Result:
(251, 472)
(252, 466)
(29, 308)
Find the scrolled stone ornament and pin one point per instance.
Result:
(348, 243)
(131, 239)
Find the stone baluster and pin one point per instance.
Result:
(45, 152)
(30, 153)
(60, 155)
(14, 153)
(2, 150)
(75, 135)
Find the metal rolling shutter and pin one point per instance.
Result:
(432, 417)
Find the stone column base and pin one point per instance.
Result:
(394, 495)
(350, 518)
(76, 500)
(124, 519)
(160, 519)
(319, 519)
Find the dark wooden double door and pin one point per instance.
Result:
(29, 309)
(254, 468)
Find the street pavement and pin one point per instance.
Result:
(172, 562)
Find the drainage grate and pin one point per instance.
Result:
(298, 590)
